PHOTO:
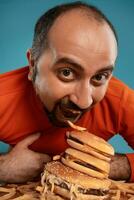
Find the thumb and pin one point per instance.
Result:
(44, 157)
(29, 140)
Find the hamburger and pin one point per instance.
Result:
(68, 183)
(81, 172)
(88, 154)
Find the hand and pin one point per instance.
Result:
(22, 164)
(120, 167)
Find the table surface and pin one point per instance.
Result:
(29, 191)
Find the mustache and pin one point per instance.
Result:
(65, 109)
(65, 102)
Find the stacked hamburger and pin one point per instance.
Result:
(82, 171)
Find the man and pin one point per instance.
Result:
(69, 78)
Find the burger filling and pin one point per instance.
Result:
(52, 180)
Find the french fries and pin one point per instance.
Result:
(78, 128)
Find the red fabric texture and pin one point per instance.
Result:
(130, 157)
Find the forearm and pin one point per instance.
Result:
(3, 169)
(120, 168)
(15, 170)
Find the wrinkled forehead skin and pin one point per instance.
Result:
(83, 39)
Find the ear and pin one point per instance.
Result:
(31, 64)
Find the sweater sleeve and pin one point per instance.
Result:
(126, 124)
(130, 157)
(126, 116)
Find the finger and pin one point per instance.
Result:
(44, 157)
(29, 140)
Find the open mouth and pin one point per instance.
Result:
(59, 116)
(63, 111)
(68, 113)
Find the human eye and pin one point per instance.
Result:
(66, 74)
(100, 78)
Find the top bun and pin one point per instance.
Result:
(93, 141)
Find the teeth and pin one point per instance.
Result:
(67, 109)
(70, 112)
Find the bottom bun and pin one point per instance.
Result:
(63, 194)
(51, 196)
(68, 195)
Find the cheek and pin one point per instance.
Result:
(47, 89)
(99, 93)
(51, 90)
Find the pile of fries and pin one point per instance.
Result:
(33, 190)
(20, 192)
(122, 191)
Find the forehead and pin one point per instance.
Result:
(82, 37)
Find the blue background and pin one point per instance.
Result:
(17, 20)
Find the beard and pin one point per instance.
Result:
(63, 111)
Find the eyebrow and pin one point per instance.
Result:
(70, 61)
(108, 68)
(80, 68)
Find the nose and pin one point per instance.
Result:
(82, 95)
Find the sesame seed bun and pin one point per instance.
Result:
(68, 183)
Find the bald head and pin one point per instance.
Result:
(50, 18)
(76, 28)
